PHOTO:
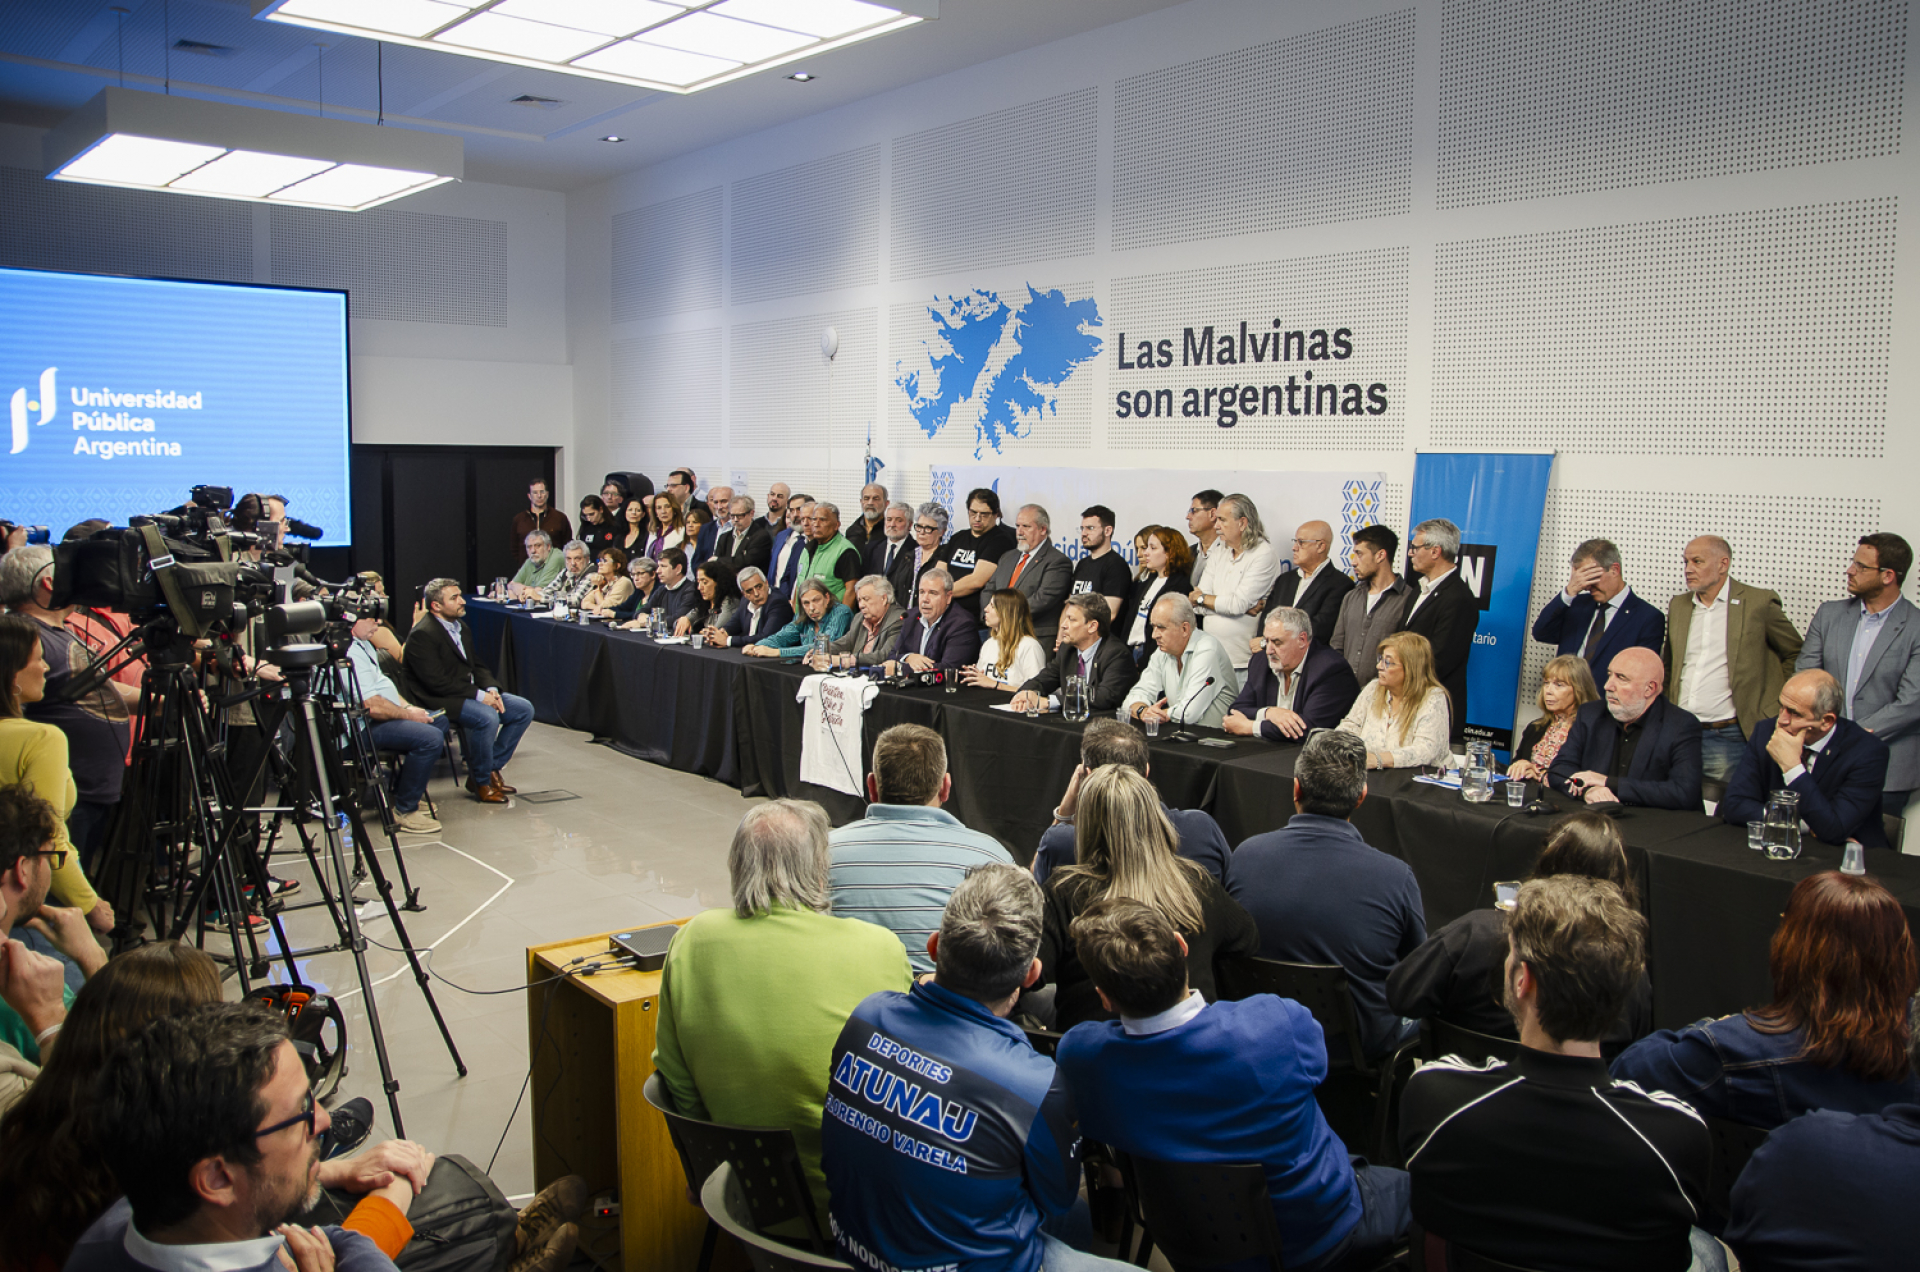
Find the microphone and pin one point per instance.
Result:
(1184, 734)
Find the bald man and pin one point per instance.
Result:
(1836, 767)
(1314, 584)
(1633, 747)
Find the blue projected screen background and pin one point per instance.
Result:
(125, 393)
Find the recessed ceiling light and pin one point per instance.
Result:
(611, 137)
(801, 77)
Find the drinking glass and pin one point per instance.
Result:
(1516, 792)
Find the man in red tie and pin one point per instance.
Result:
(1037, 569)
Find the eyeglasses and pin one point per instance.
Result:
(308, 1113)
(1420, 547)
(926, 529)
(1299, 543)
(59, 856)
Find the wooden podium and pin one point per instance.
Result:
(590, 1039)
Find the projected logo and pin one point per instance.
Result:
(21, 406)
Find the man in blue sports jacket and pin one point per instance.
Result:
(948, 1141)
(1598, 615)
(1835, 766)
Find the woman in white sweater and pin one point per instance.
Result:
(1240, 570)
(1403, 716)
(1012, 655)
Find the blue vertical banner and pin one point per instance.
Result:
(1497, 500)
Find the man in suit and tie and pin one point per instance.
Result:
(1314, 584)
(1598, 615)
(759, 616)
(1037, 569)
(1633, 747)
(444, 667)
(1443, 609)
(1867, 642)
(1836, 767)
(1301, 684)
(789, 545)
(746, 541)
(938, 633)
(890, 553)
(1729, 649)
(1087, 649)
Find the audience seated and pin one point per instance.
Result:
(1729, 648)
(759, 615)
(1566, 685)
(896, 866)
(752, 998)
(33, 988)
(875, 629)
(1456, 974)
(716, 597)
(1444, 610)
(1180, 1079)
(1298, 683)
(1597, 615)
(1401, 717)
(983, 1169)
(1012, 655)
(396, 725)
(1835, 1035)
(1240, 569)
(1036, 568)
(1319, 893)
(1634, 748)
(1836, 767)
(1544, 1161)
(821, 615)
(1372, 609)
(1830, 1192)
(1104, 742)
(448, 676)
(1314, 584)
(1126, 847)
(1190, 679)
(1085, 650)
(541, 568)
(1166, 564)
(937, 634)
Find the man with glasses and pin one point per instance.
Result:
(539, 515)
(1201, 514)
(759, 616)
(1867, 643)
(972, 555)
(746, 541)
(1444, 610)
(1314, 584)
(33, 992)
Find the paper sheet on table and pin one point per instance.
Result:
(1010, 708)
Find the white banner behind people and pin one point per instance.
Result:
(1346, 500)
(830, 751)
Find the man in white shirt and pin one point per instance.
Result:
(1372, 610)
(395, 724)
(1189, 679)
(1314, 584)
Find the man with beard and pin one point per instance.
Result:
(1633, 747)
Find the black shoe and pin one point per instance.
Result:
(352, 1123)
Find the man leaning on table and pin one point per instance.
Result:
(1836, 767)
(1295, 685)
(938, 633)
(759, 615)
(1189, 679)
(1632, 747)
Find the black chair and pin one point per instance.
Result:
(1431, 1253)
(727, 1207)
(1323, 990)
(1045, 1041)
(1733, 1144)
(765, 1161)
(1447, 1039)
(1712, 791)
(1896, 828)
(1201, 1214)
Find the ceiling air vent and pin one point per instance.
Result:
(536, 103)
(201, 48)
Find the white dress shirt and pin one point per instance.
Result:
(1426, 589)
(1181, 683)
(1237, 584)
(1706, 685)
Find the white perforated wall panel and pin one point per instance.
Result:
(666, 257)
(666, 399)
(812, 227)
(93, 229)
(782, 386)
(1307, 130)
(1547, 97)
(1766, 332)
(398, 266)
(1016, 185)
(1361, 295)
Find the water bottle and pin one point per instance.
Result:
(1075, 701)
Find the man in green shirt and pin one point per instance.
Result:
(542, 566)
(829, 555)
(753, 998)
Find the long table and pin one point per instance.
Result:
(1711, 902)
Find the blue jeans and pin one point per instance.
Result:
(491, 735)
(1386, 1200)
(1721, 749)
(1064, 1240)
(420, 744)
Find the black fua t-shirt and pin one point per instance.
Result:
(965, 551)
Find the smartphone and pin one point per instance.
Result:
(1225, 743)
(1504, 895)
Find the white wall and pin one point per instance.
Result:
(1659, 240)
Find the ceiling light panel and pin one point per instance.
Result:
(121, 159)
(353, 185)
(248, 174)
(660, 44)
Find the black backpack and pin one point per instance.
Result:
(462, 1222)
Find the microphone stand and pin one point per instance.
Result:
(1184, 734)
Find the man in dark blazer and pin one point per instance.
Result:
(746, 541)
(1576, 622)
(676, 593)
(1634, 747)
(1086, 641)
(789, 545)
(1314, 584)
(759, 615)
(938, 633)
(1443, 609)
(1294, 685)
(1038, 570)
(444, 669)
(890, 553)
(1836, 767)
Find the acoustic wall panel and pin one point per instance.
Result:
(1279, 356)
(782, 388)
(1013, 186)
(666, 397)
(1552, 97)
(812, 227)
(1767, 333)
(666, 257)
(399, 266)
(1312, 129)
(95, 229)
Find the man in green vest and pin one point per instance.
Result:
(829, 555)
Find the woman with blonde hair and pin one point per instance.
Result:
(1126, 847)
(1239, 572)
(1403, 714)
(1012, 655)
(1566, 684)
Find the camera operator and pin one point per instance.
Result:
(396, 725)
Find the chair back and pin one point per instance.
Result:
(1045, 1041)
(765, 1161)
(1896, 828)
(1712, 792)
(1319, 987)
(1447, 1039)
(726, 1203)
(1204, 1214)
(1733, 1144)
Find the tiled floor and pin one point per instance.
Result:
(641, 844)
